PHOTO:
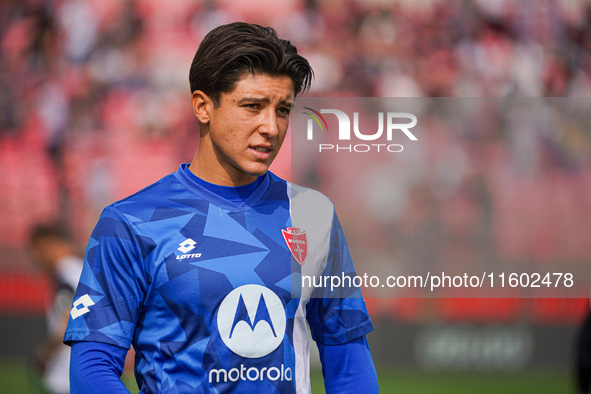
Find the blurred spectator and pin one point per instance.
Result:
(583, 362)
(55, 255)
(92, 81)
(90, 88)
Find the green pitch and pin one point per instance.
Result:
(14, 378)
(416, 382)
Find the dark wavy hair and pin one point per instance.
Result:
(230, 51)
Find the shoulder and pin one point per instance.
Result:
(164, 188)
(309, 208)
(301, 194)
(309, 202)
(141, 205)
(120, 219)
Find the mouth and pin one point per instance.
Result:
(262, 152)
(262, 149)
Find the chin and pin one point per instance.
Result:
(257, 171)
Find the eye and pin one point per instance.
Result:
(253, 106)
(284, 111)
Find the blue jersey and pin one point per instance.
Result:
(202, 287)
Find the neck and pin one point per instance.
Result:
(218, 175)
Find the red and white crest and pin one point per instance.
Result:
(297, 243)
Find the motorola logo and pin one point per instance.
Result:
(251, 321)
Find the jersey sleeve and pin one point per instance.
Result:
(96, 368)
(337, 315)
(348, 368)
(112, 285)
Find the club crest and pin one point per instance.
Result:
(297, 243)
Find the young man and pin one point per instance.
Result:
(196, 271)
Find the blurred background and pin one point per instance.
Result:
(95, 105)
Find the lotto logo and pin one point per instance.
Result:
(187, 245)
(81, 305)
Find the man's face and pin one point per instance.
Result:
(246, 131)
(40, 250)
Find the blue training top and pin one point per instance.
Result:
(202, 286)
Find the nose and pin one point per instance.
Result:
(269, 124)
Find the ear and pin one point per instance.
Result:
(202, 106)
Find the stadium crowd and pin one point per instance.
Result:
(94, 105)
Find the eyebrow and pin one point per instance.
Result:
(262, 100)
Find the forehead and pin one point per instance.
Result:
(263, 86)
